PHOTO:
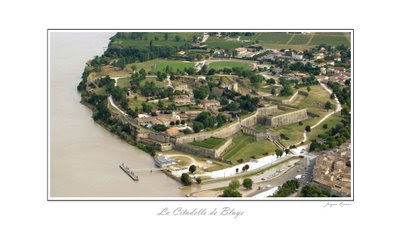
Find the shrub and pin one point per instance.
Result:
(198, 180)
(247, 183)
(185, 178)
(192, 169)
(229, 192)
(235, 184)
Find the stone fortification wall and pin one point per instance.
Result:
(282, 101)
(222, 148)
(290, 100)
(267, 110)
(228, 130)
(195, 150)
(159, 137)
(212, 153)
(288, 118)
(223, 132)
(157, 145)
(259, 136)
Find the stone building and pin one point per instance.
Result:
(210, 103)
(183, 88)
(182, 100)
(163, 119)
(232, 85)
(332, 170)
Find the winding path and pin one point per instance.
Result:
(338, 108)
(111, 101)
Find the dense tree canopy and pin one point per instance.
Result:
(201, 92)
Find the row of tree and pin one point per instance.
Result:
(231, 191)
(287, 188)
(205, 120)
(314, 191)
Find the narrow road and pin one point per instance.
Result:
(205, 37)
(111, 101)
(169, 82)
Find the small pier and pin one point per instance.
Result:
(130, 173)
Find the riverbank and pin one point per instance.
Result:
(84, 158)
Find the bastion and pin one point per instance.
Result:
(286, 118)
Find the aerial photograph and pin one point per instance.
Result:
(200, 115)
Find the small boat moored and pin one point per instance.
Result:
(130, 173)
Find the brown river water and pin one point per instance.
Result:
(84, 157)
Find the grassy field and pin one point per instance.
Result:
(299, 39)
(160, 65)
(124, 82)
(295, 131)
(188, 158)
(314, 103)
(145, 41)
(331, 122)
(238, 143)
(245, 147)
(216, 43)
(272, 37)
(227, 64)
(138, 102)
(283, 40)
(210, 143)
(330, 39)
(266, 39)
(159, 84)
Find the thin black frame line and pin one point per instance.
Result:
(173, 200)
(198, 29)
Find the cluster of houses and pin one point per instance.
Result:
(328, 72)
(332, 170)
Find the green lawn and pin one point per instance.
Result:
(272, 37)
(187, 158)
(145, 41)
(210, 143)
(238, 143)
(317, 95)
(218, 43)
(228, 64)
(331, 122)
(100, 91)
(260, 127)
(314, 103)
(160, 84)
(137, 103)
(161, 65)
(294, 131)
(279, 40)
(245, 147)
(124, 82)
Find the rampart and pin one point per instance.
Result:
(212, 153)
(228, 130)
(282, 101)
(287, 118)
